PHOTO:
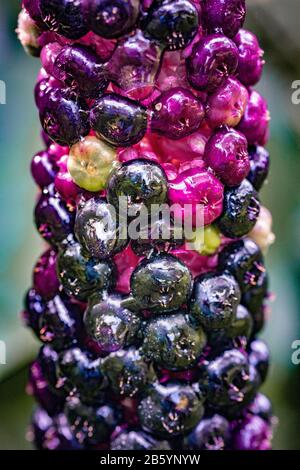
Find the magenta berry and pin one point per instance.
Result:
(227, 154)
(255, 122)
(224, 15)
(250, 58)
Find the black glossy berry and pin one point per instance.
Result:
(81, 275)
(64, 116)
(140, 182)
(118, 120)
(66, 17)
(240, 210)
(54, 220)
(127, 372)
(211, 433)
(109, 324)
(259, 166)
(91, 425)
(214, 300)
(230, 381)
(259, 357)
(97, 229)
(60, 324)
(138, 440)
(173, 23)
(158, 236)
(35, 306)
(78, 369)
(171, 410)
(244, 260)
(161, 284)
(113, 18)
(171, 342)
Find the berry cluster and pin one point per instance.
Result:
(148, 343)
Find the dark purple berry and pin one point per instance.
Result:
(171, 342)
(118, 120)
(35, 306)
(43, 168)
(171, 410)
(173, 23)
(251, 61)
(226, 153)
(54, 220)
(240, 210)
(127, 373)
(214, 300)
(252, 434)
(64, 116)
(66, 17)
(226, 16)
(211, 433)
(138, 440)
(45, 279)
(176, 113)
(142, 182)
(109, 324)
(113, 18)
(259, 166)
(259, 357)
(90, 424)
(262, 407)
(97, 229)
(161, 284)
(213, 59)
(81, 275)
(78, 67)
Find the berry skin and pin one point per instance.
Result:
(172, 23)
(54, 221)
(206, 241)
(226, 153)
(113, 18)
(262, 407)
(66, 17)
(137, 440)
(259, 166)
(45, 279)
(196, 186)
(210, 434)
(171, 342)
(43, 168)
(80, 275)
(227, 16)
(35, 306)
(161, 284)
(177, 113)
(262, 232)
(127, 373)
(244, 260)
(91, 425)
(28, 33)
(76, 368)
(52, 433)
(255, 122)
(142, 182)
(60, 323)
(214, 300)
(213, 59)
(171, 410)
(118, 120)
(240, 211)
(251, 61)
(227, 105)
(32, 6)
(90, 163)
(109, 324)
(97, 230)
(134, 66)
(252, 434)
(259, 357)
(78, 67)
(64, 117)
(230, 382)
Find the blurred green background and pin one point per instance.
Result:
(277, 24)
